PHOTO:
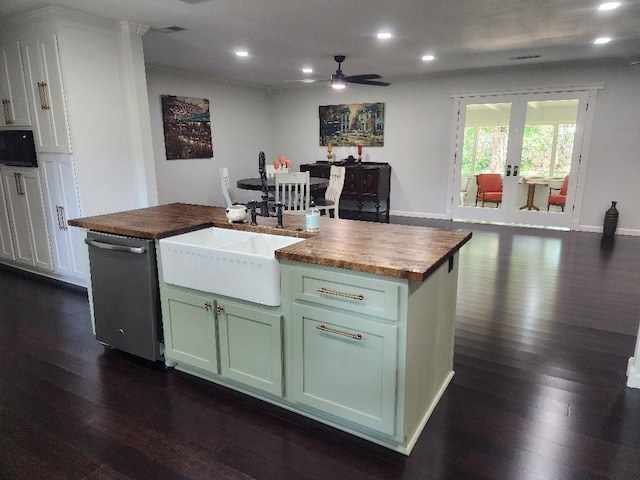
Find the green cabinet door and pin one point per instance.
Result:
(251, 346)
(189, 329)
(346, 366)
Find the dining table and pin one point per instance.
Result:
(315, 183)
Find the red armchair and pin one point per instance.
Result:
(489, 188)
(558, 199)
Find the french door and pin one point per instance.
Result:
(530, 143)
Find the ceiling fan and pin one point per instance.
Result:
(339, 80)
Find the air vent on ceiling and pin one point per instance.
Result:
(194, 2)
(168, 29)
(524, 57)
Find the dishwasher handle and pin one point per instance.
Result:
(114, 247)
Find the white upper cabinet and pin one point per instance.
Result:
(13, 93)
(46, 95)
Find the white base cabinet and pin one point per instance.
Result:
(6, 241)
(26, 212)
(66, 243)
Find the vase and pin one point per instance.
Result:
(610, 221)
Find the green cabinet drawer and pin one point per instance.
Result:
(346, 366)
(361, 294)
(251, 346)
(189, 329)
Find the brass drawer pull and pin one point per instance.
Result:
(323, 328)
(340, 294)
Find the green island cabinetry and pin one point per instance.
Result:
(368, 354)
(222, 339)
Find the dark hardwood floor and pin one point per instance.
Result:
(547, 321)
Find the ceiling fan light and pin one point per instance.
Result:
(338, 84)
(338, 81)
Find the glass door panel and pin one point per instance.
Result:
(528, 144)
(484, 151)
(547, 157)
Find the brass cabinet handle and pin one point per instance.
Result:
(219, 309)
(6, 106)
(340, 294)
(207, 305)
(44, 96)
(324, 328)
(62, 223)
(18, 178)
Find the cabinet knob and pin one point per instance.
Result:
(219, 309)
(207, 305)
(121, 331)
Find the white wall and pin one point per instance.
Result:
(240, 129)
(419, 120)
(418, 125)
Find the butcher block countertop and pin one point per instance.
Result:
(401, 251)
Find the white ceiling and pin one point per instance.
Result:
(282, 36)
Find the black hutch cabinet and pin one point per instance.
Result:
(366, 192)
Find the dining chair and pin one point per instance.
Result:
(292, 189)
(330, 204)
(489, 188)
(225, 184)
(558, 199)
(271, 170)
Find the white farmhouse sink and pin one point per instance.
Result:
(227, 262)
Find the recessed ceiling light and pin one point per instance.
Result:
(307, 70)
(608, 6)
(242, 53)
(384, 36)
(428, 58)
(601, 40)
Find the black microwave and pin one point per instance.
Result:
(17, 148)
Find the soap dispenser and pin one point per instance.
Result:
(312, 218)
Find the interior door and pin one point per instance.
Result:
(533, 142)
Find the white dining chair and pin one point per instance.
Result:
(271, 171)
(292, 189)
(330, 204)
(225, 184)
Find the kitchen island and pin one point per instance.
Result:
(362, 338)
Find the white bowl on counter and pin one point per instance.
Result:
(237, 213)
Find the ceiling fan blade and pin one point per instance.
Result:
(357, 78)
(371, 82)
(306, 80)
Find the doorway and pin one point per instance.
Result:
(517, 157)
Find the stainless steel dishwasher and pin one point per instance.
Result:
(126, 296)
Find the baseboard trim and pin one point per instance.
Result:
(435, 216)
(633, 374)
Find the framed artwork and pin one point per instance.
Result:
(352, 124)
(187, 127)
